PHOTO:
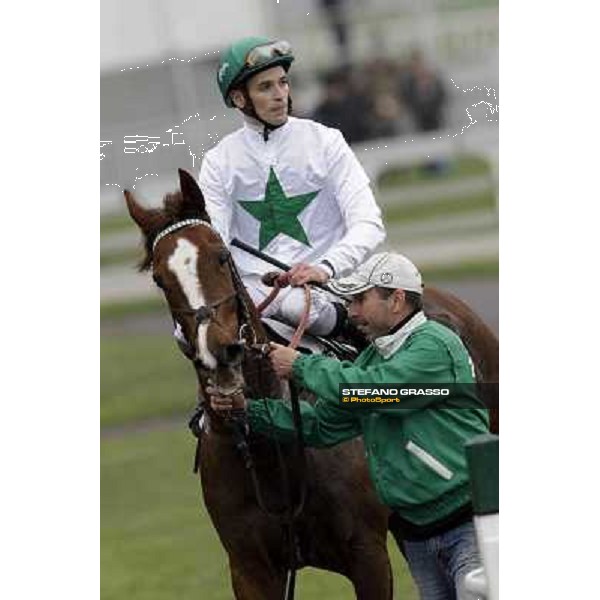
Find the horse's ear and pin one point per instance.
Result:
(192, 193)
(138, 213)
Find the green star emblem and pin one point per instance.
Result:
(278, 213)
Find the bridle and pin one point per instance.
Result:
(208, 313)
(178, 225)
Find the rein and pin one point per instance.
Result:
(279, 281)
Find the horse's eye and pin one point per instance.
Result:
(223, 256)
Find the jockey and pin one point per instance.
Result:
(289, 187)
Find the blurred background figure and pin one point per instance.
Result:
(363, 102)
(388, 116)
(335, 13)
(343, 106)
(424, 93)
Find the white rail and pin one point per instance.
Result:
(378, 156)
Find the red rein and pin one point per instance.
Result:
(280, 281)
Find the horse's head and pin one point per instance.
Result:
(192, 267)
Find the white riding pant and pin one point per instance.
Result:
(289, 304)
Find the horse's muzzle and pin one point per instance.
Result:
(230, 355)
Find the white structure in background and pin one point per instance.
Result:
(483, 459)
(377, 155)
(137, 32)
(157, 62)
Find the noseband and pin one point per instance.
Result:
(206, 313)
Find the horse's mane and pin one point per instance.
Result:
(175, 208)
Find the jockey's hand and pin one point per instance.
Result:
(220, 403)
(302, 273)
(282, 359)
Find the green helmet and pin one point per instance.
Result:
(248, 57)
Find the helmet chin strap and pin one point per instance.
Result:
(250, 111)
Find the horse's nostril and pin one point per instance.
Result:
(231, 354)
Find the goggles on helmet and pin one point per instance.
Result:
(267, 52)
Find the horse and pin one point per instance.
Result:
(340, 525)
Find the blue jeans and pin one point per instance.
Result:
(440, 563)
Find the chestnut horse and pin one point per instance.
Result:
(342, 526)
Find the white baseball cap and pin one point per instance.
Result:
(386, 269)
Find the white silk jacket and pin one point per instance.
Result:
(300, 196)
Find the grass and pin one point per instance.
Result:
(157, 541)
(404, 213)
(129, 308)
(116, 223)
(143, 376)
(156, 538)
(464, 167)
(126, 256)
(475, 269)
(457, 4)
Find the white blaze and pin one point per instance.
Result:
(182, 263)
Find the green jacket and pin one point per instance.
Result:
(415, 448)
